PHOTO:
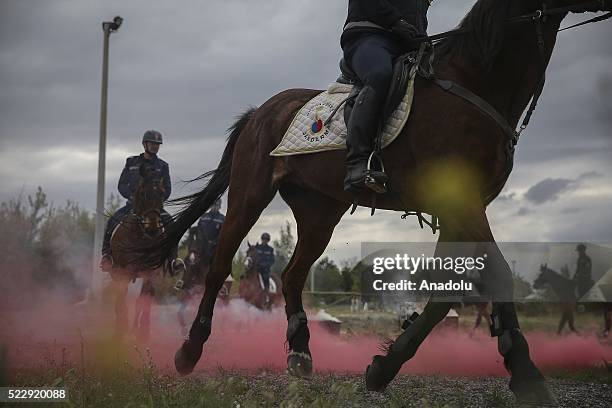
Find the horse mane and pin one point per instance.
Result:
(485, 26)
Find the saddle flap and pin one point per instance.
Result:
(401, 75)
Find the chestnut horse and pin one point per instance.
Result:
(141, 227)
(451, 160)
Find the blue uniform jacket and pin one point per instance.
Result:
(209, 227)
(130, 176)
(265, 257)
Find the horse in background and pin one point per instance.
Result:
(252, 288)
(565, 289)
(142, 226)
(197, 264)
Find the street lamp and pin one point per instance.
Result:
(96, 283)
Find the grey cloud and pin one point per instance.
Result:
(590, 175)
(523, 211)
(547, 190)
(187, 68)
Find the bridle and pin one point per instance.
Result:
(538, 18)
(141, 221)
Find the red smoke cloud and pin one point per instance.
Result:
(247, 339)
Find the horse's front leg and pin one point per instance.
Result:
(242, 214)
(315, 229)
(119, 287)
(142, 320)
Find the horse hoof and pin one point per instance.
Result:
(187, 357)
(534, 392)
(379, 374)
(299, 364)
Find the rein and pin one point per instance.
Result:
(526, 18)
(539, 18)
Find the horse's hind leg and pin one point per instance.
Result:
(247, 199)
(143, 317)
(384, 368)
(316, 217)
(468, 223)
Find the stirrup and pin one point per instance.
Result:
(376, 180)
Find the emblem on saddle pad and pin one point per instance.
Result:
(318, 131)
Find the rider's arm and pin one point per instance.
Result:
(381, 12)
(124, 182)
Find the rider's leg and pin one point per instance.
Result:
(111, 224)
(371, 57)
(265, 277)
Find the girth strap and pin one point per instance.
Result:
(484, 106)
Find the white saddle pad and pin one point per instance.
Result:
(308, 134)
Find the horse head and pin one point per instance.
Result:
(149, 200)
(250, 261)
(541, 281)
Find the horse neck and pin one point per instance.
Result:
(557, 281)
(518, 67)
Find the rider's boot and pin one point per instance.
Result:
(362, 130)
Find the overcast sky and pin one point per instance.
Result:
(187, 68)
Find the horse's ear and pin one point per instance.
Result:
(248, 244)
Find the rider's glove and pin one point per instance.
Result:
(405, 31)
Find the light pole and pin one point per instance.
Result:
(96, 282)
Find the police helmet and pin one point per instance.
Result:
(152, 136)
(265, 236)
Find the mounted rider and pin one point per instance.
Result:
(265, 259)
(582, 277)
(129, 181)
(208, 230)
(376, 32)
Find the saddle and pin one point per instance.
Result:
(402, 68)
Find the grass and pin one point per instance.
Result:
(110, 378)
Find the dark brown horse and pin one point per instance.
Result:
(141, 227)
(450, 160)
(251, 287)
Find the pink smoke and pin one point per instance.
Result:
(246, 339)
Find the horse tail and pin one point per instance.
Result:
(195, 205)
